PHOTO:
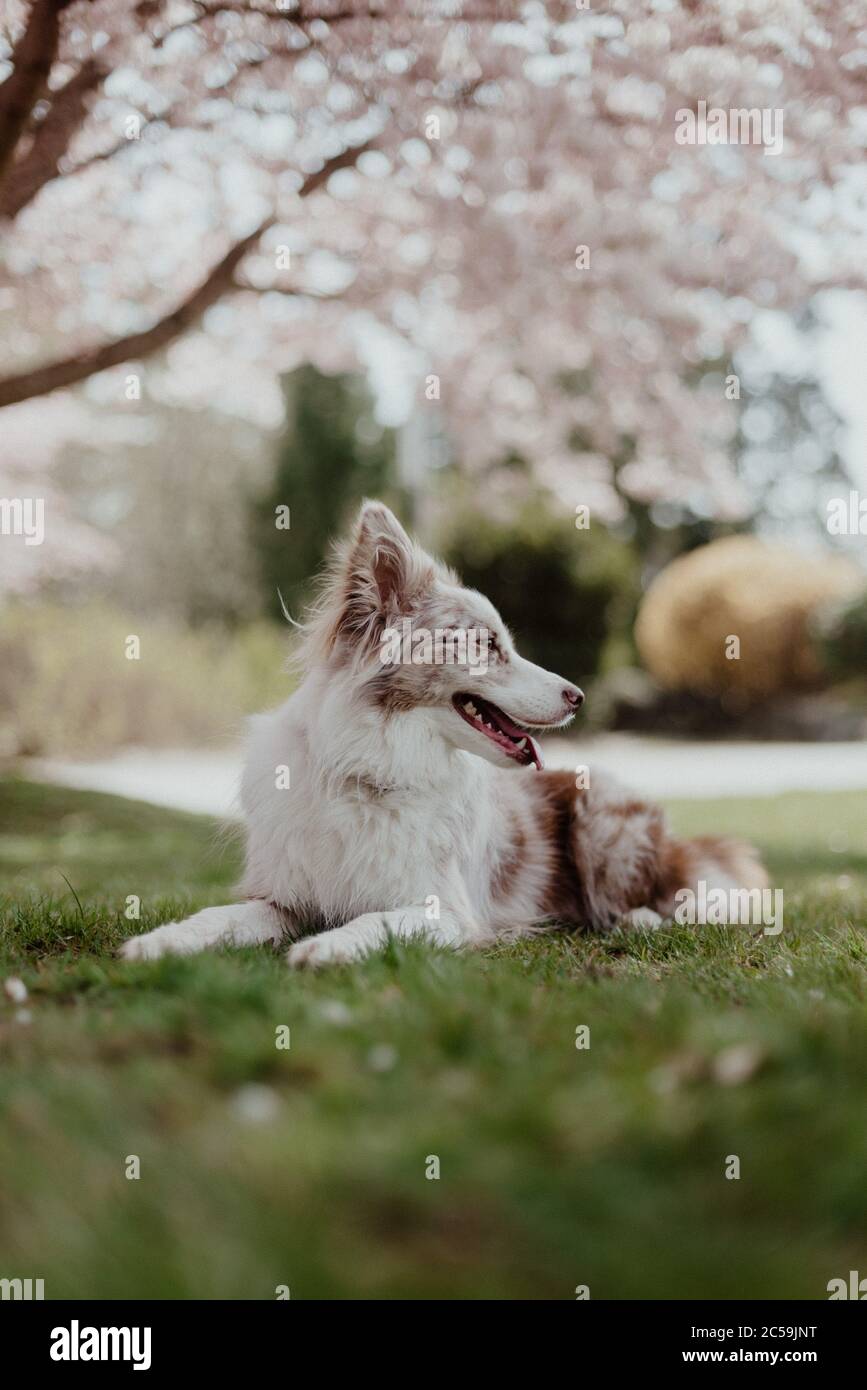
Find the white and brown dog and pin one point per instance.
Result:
(386, 798)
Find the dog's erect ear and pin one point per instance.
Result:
(381, 574)
(385, 567)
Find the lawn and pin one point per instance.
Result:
(306, 1167)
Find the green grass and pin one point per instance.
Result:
(306, 1167)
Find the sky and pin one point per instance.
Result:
(842, 366)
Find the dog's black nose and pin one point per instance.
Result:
(573, 696)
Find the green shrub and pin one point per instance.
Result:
(842, 637)
(67, 687)
(331, 455)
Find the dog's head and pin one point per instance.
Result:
(412, 639)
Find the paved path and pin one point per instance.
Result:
(208, 781)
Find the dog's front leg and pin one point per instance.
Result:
(242, 924)
(372, 932)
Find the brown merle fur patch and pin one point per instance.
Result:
(507, 871)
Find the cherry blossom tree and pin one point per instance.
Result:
(203, 194)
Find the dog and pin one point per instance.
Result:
(406, 798)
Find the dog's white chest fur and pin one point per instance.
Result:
(330, 844)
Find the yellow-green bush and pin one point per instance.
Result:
(765, 595)
(67, 686)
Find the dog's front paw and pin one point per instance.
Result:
(641, 919)
(314, 953)
(336, 947)
(170, 940)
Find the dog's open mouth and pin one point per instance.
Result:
(487, 719)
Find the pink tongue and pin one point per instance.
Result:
(513, 731)
(506, 724)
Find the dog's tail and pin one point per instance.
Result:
(717, 862)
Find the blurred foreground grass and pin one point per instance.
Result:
(263, 1167)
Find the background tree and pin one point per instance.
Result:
(333, 454)
(459, 160)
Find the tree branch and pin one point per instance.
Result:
(302, 16)
(32, 58)
(51, 139)
(102, 156)
(68, 371)
(291, 291)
